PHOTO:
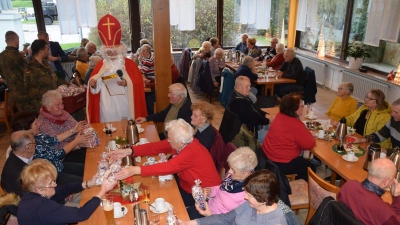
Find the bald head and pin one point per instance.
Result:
(274, 41)
(19, 139)
(244, 38)
(381, 172)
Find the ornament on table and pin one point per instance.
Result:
(197, 193)
(126, 187)
(171, 218)
(94, 139)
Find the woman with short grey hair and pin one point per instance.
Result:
(277, 61)
(190, 160)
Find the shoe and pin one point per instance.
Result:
(315, 162)
(328, 179)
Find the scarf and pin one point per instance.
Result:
(54, 119)
(231, 186)
(373, 187)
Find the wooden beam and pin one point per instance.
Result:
(134, 17)
(37, 8)
(220, 21)
(346, 29)
(293, 8)
(162, 52)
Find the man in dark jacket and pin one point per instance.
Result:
(291, 69)
(244, 108)
(179, 107)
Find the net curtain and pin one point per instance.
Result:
(182, 14)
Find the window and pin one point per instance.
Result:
(324, 22)
(261, 19)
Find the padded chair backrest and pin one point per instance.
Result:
(319, 189)
(229, 148)
(217, 150)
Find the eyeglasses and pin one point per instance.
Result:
(342, 88)
(301, 106)
(33, 143)
(368, 98)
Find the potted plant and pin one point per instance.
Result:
(356, 51)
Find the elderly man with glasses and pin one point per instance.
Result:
(23, 147)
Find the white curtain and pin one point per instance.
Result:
(375, 17)
(391, 21)
(87, 15)
(67, 16)
(248, 11)
(312, 7)
(263, 14)
(301, 15)
(182, 14)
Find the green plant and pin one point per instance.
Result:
(357, 50)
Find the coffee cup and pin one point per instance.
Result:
(139, 126)
(310, 114)
(143, 140)
(112, 145)
(382, 155)
(151, 160)
(160, 204)
(117, 209)
(109, 126)
(321, 133)
(270, 69)
(264, 64)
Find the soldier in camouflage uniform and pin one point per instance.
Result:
(39, 76)
(12, 65)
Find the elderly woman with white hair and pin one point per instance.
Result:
(205, 50)
(179, 107)
(229, 194)
(217, 63)
(190, 160)
(278, 60)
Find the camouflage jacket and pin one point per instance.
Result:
(40, 78)
(12, 65)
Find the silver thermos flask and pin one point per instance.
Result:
(341, 132)
(395, 157)
(143, 216)
(374, 152)
(136, 213)
(132, 133)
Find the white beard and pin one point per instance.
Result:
(114, 63)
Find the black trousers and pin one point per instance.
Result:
(72, 172)
(297, 166)
(187, 198)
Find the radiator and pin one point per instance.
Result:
(177, 59)
(363, 84)
(319, 69)
(67, 66)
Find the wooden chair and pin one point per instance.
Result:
(318, 189)
(299, 197)
(4, 111)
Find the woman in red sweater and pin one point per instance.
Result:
(278, 60)
(190, 160)
(287, 137)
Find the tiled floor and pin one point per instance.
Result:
(324, 99)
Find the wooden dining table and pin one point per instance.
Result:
(167, 190)
(268, 82)
(323, 151)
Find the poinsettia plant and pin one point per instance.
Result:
(357, 49)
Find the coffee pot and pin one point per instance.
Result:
(237, 56)
(341, 132)
(374, 152)
(395, 157)
(132, 133)
(230, 55)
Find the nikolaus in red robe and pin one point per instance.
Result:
(100, 106)
(136, 97)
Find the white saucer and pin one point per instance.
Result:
(311, 118)
(112, 129)
(345, 158)
(167, 205)
(122, 214)
(141, 130)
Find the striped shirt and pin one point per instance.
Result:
(147, 65)
(390, 130)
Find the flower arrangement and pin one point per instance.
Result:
(357, 49)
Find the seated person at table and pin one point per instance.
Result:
(39, 203)
(68, 171)
(252, 49)
(277, 61)
(190, 160)
(291, 69)
(54, 120)
(242, 46)
(91, 48)
(271, 51)
(287, 137)
(364, 198)
(214, 45)
(84, 42)
(146, 65)
(229, 194)
(23, 148)
(261, 190)
(240, 104)
(82, 64)
(390, 130)
(179, 107)
(202, 114)
(217, 63)
(205, 50)
(343, 105)
(371, 116)
(248, 69)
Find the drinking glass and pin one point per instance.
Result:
(108, 208)
(124, 122)
(146, 194)
(154, 218)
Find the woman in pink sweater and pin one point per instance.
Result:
(229, 195)
(287, 137)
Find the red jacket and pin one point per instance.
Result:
(276, 62)
(192, 163)
(285, 139)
